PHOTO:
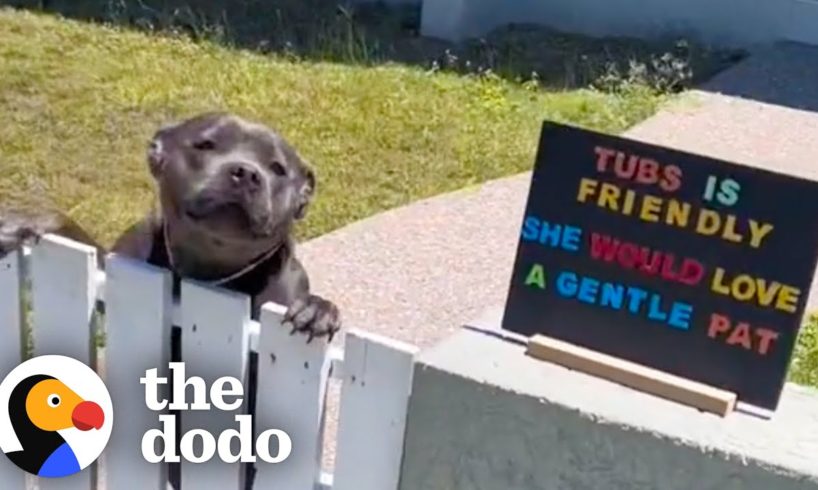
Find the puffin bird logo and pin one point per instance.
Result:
(56, 416)
(39, 407)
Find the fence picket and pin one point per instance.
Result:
(292, 382)
(138, 322)
(215, 343)
(377, 381)
(10, 312)
(63, 274)
(10, 348)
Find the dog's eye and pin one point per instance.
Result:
(278, 168)
(204, 144)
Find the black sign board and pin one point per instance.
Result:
(687, 264)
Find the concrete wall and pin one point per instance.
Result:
(725, 22)
(483, 416)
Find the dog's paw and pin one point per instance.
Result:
(313, 316)
(17, 230)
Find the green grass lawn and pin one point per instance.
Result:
(79, 103)
(805, 364)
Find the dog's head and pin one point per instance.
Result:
(230, 178)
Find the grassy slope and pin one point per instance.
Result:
(79, 102)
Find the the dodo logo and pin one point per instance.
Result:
(58, 417)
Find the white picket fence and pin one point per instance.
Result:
(217, 339)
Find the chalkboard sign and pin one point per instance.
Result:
(687, 264)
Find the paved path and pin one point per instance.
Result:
(419, 272)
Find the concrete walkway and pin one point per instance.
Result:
(419, 272)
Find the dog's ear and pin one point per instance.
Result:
(304, 178)
(306, 189)
(157, 150)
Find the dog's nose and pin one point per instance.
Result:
(245, 176)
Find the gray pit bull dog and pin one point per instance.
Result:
(230, 192)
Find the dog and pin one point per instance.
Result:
(230, 192)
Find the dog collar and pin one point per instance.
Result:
(224, 280)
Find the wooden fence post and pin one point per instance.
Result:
(138, 302)
(215, 343)
(377, 381)
(63, 275)
(11, 477)
(292, 385)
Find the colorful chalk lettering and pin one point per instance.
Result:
(727, 193)
(673, 260)
(744, 287)
(741, 334)
(671, 212)
(642, 170)
(536, 277)
(660, 263)
(632, 299)
(559, 235)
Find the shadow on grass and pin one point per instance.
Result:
(325, 30)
